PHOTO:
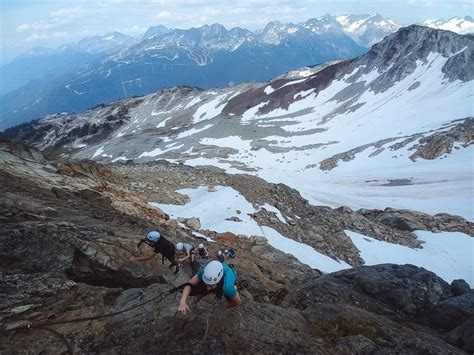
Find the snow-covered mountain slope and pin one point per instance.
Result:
(307, 71)
(393, 127)
(367, 30)
(462, 25)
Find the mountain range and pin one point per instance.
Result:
(461, 25)
(381, 129)
(102, 69)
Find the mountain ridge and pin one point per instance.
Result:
(303, 125)
(208, 56)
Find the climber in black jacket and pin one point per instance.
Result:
(160, 245)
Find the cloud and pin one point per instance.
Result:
(35, 37)
(22, 28)
(68, 12)
(163, 15)
(58, 20)
(423, 3)
(213, 11)
(39, 26)
(238, 11)
(75, 12)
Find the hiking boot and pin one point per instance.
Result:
(177, 268)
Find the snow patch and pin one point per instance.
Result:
(276, 210)
(208, 110)
(98, 152)
(212, 209)
(268, 90)
(192, 131)
(159, 151)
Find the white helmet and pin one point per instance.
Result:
(213, 273)
(179, 246)
(153, 236)
(226, 251)
(201, 246)
(219, 252)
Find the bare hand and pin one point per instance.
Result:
(183, 308)
(132, 258)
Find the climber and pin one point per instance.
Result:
(217, 278)
(160, 245)
(188, 251)
(220, 256)
(230, 253)
(203, 252)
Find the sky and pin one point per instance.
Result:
(50, 23)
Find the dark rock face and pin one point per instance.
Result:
(362, 299)
(409, 289)
(454, 311)
(463, 336)
(66, 237)
(459, 287)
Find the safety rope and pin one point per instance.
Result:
(30, 324)
(41, 325)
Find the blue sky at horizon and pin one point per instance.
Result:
(50, 23)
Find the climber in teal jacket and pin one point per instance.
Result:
(217, 278)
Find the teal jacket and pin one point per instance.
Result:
(230, 278)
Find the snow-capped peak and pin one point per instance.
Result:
(461, 25)
(367, 29)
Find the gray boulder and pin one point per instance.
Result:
(463, 336)
(452, 312)
(459, 287)
(406, 288)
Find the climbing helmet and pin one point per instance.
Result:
(153, 236)
(213, 273)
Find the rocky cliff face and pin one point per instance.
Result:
(68, 229)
